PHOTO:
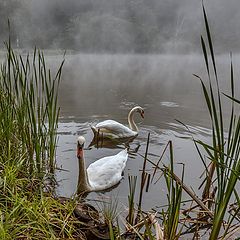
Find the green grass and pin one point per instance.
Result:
(29, 212)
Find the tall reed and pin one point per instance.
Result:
(28, 126)
(172, 215)
(224, 150)
(132, 181)
(29, 109)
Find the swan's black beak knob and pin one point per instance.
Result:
(79, 150)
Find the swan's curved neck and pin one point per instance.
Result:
(131, 121)
(83, 183)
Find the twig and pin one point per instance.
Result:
(186, 189)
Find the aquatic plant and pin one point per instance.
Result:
(222, 173)
(172, 215)
(224, 151)
(132, 180)
(29, 110)
(28, 125)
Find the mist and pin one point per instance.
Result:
(119, 26)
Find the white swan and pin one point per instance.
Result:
(113, 129)
(102, 174)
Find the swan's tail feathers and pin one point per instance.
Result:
(124, 157)
(95, 132)
(124, 152)
(94, 129)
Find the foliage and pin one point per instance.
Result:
(224, 152)
(172, 216)
(29, 111)
(28, 123)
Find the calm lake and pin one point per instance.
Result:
(99, 87)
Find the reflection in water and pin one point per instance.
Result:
(100, 141)
(99, 87)
(122, 143)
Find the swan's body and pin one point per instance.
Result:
(103, 173)
(107, 171)
(114, 129)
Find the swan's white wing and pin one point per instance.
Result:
(116, 161)
(104, 179)
(115, 128)
(107, 171)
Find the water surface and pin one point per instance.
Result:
(99, 87)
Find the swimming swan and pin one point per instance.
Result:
(103, 173)
(113, 129)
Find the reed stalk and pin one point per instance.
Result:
(224, 150)
(132, 180)
(29, 109)
(174, 196)
(28, 124)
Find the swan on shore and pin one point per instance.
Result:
(114, 129)
(103, 173)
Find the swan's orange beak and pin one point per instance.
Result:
(79, 151)
(142, 114)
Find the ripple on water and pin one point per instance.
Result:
(169, 104)
(183, 153)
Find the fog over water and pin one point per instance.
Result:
(103, 86)
(120, 25)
